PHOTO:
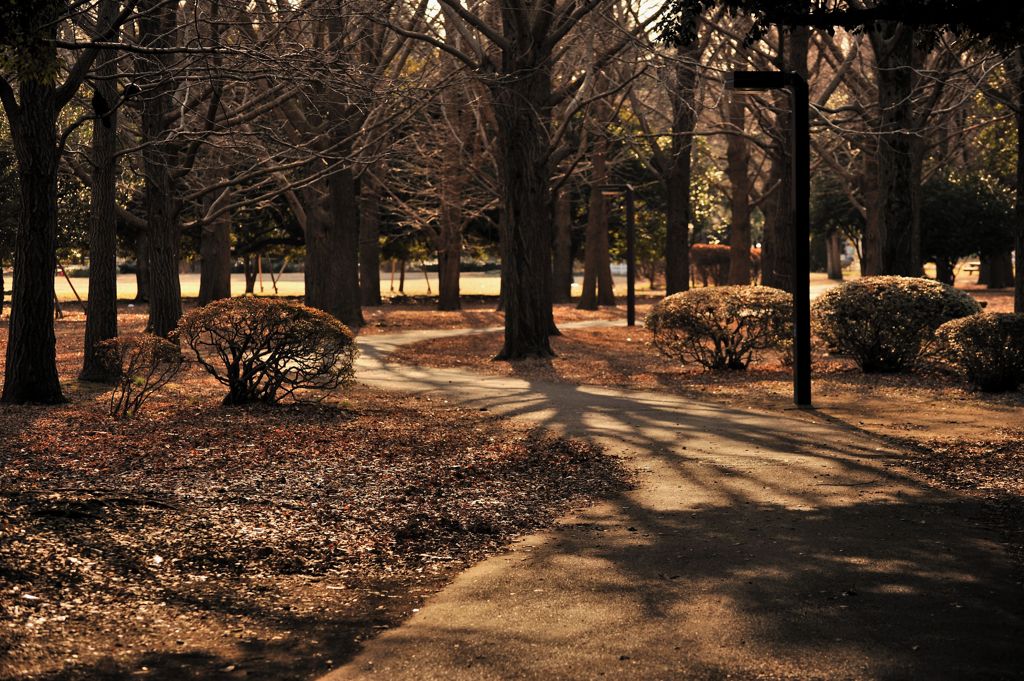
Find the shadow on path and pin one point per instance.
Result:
(755, 546)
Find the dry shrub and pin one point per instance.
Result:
(986, 349)
(887, 323)
(722, 327)
(266, 350)
(143, 364)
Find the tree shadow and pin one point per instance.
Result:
(757, 545)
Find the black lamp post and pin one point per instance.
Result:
(801, 149)
(610, 190)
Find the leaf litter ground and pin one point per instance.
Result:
(201, 541)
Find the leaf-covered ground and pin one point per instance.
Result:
(200, 541)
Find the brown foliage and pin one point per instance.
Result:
(265, 350)
(886, 323)
(986, 349)
(722, 327)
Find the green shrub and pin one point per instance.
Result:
(886, 323)
(143, 365)
(722, 327)
(986, 349)
(265, 350)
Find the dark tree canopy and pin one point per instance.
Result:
(999, 23)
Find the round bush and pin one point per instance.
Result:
(265, 350)
(722, 327)
(886, 323)
(986, 349)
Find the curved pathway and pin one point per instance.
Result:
(755, 546)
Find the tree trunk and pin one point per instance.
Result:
(369, 243)
(834, 256)
(777, 256)
(215, 260)
(142, 266)
(449, 238)
(31, 369)
(1018, 276)
(332, 253)
(157, 30)
(522, 111)
(562, 266)
(101, 318)
(249, 272)
(996, 270)
(738, 165)
(677, 179)
(449, 256)
(944, 271)
(597, 266)
(892, 227)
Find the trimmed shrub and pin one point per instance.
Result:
(143, 364)
(266, 350)
(887, 323)
(722, 327)
(987, 349)
(709, 264)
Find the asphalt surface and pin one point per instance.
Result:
(756, 545)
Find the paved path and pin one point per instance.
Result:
(756, 546)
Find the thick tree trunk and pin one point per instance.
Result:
(777, 256)
(597, 267)
(101, 319)
(738, 165)
(332, 253)
(157, 30)
(677, 179)
(996, 270)
(369, 243)
(834, 256)
(30, 374)
(215, 260)
(562, 266)
(892, 226)
(522, 112)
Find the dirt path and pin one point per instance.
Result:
(756, 546)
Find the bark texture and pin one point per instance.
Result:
(157, 30)
(889, 238)
(678, 175)
(522, 112)
(777, 257)
(215, 256)
(562, 264)
(31, 369)
(101, 319)
(738, 171)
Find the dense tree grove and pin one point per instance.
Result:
(337, 135)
